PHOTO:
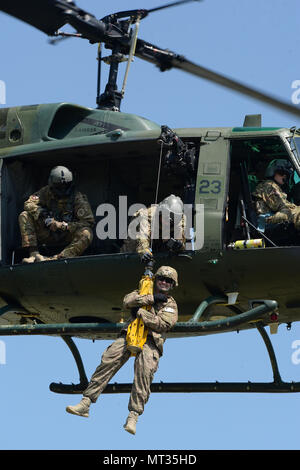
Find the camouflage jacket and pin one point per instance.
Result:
(144, 223)
(159, 319)
(269, 197)
(75, 210)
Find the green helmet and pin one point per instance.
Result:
(168, 271)
(278, 165)
(61, 181)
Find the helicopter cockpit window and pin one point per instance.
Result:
(253, 213)
(296, 142)
(117, 181)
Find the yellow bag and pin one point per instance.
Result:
(136, 331)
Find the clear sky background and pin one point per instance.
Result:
(252, 41)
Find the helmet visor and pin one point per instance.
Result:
(62, 189)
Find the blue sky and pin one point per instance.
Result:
(252, 41)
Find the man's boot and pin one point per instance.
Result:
(130, 425)
(33, 252)
(82, 409)
(39, 258)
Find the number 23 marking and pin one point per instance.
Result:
(207, 187)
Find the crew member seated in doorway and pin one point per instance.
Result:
(57, 214)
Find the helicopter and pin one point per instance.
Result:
(210, 168)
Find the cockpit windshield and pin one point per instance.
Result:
(296, 141)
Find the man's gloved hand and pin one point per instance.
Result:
(160, 298)
(43, 213)
(134, 312)
(54, 225)
(146, 257)
(61, 225)
(48, 221)
(278, 218)
(174, 245)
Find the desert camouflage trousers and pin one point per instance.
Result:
(35, 233)
(113, 358)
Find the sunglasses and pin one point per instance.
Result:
(165, 279)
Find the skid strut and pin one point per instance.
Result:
(83, 381)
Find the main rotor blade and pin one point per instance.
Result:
(166, 60)
(173, 4)
(50, 15)
(45, 15)
(231, 84)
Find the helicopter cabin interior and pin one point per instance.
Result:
(131, 168)
(250, 157)
(103, 173)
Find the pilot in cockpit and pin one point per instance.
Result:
(270, 198)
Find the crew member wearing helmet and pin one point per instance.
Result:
(159, 320)
(160, 227)
(270, 197)
(57, 214)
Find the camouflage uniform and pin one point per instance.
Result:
(74, 210)
(160, 319)
(142, 243)
(270, 198)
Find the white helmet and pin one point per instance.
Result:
(172, 204)
(61, 181)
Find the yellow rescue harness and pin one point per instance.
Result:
(137, 332)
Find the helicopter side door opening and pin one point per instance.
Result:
(250, 158)
(114, 177)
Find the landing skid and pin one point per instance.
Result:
(277, 386)
(192, 327)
